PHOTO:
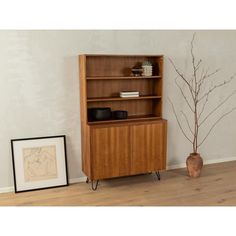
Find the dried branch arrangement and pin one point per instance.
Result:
(200, 87)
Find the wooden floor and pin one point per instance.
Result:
(216, 187)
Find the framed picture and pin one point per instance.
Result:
(39, 163)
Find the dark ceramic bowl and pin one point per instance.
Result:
(120, 114)
(99, 113)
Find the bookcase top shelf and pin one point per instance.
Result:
(121, 55)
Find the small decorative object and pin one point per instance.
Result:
(99, 113)
(39, 163)
(120, 114)
(199, 88)
(147, 68)
(137, 71)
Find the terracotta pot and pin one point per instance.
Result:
(194, 164)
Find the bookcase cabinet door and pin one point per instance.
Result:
(110, 148)
(148, 147)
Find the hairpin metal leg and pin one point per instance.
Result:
(96, 185)
(87, 180)
(158, 175)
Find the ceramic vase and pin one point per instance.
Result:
(194, 164)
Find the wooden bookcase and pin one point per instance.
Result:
(136, 145)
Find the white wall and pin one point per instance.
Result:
(39, 87)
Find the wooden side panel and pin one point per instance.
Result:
(158, 89)
(148, 147)
(110, 152)
(85, 130)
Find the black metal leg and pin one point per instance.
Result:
(96, 185)
(158, 175)
(87, 180)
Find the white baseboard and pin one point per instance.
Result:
(77, 180)
(7, 189)
(213, 161)
(169, 167)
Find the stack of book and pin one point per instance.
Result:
(129, 94)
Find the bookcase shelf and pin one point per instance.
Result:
(129, 119)
(121, 98)
(122, 77)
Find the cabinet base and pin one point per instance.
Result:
(94, 183)
(158, 175)
(94, 187)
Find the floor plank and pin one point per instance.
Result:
(216, 187)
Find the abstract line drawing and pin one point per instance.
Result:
(40, 163)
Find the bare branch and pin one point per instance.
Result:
(203, 73)
(199, 88)
(185, 98)
(203, 108)
(173, 108)
(179, 73)
(191, 82)
(212, 73)
(217, 86)
(182, 76)
(225, 114)
(186, 119)
(198, 64)
(194, 70)
(217, 107)
(192, 54)
(201, 78)
(204, 77)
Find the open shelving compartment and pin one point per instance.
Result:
(108, 75)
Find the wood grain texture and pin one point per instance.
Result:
(128, 149)
(215, 187)
(148, 150)
(110, 152)
(105, 99)
(85, 129)
(122, 77)
(132, 119)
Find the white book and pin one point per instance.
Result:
(129, 93)
(129, 96)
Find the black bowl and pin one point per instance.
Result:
(120, 114)
(99, 113)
